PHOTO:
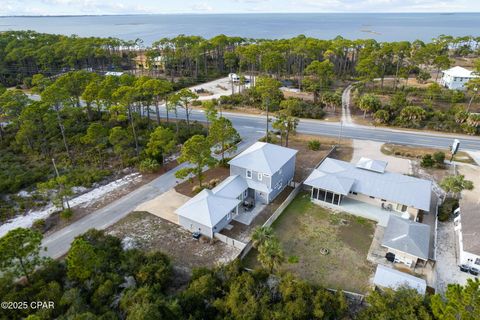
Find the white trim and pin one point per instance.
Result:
(259, 176)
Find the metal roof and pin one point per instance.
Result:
(390, 278)
(207, 208)
(459, 72)
(372, 165)
(470, 220)
(407, 236)
(231, 187)
(331, 182)
(263, 157)
(255, 185)
(398, 188)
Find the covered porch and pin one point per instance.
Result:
(326, 196)
(249, 208)
(363, 209)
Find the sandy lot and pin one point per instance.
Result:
(164, 205)
(151, 233)
(371, 149)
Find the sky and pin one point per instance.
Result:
(96, 7)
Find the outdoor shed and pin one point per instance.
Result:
(386, 277)
(408, 240)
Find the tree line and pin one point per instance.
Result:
(81, 128)
(26, 53)
(100, 279)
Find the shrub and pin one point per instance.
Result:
(439, 158)
(196, 189)
(314, 145)
(39, 225)
(66, 214)
(149, 166)
(213, 183)
(447, 208)
(427, 161)
(293, 259)
(196, 103)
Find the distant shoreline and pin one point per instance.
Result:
(233, 13)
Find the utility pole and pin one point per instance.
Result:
(340, 132)
(266, 105)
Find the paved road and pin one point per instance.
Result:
(256, 123)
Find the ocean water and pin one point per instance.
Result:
(149, 28)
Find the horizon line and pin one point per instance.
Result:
(230, 13)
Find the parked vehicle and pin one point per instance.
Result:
(464, 268)
(474, 271)
(234, 77)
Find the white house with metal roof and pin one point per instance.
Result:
(467, 225)
(369, 182)
(257, 176)
(386, 277)
(407, 241)
(456, 78)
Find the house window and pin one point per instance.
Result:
(372, 197)
(245, 193)
(354, 193)
(477, 261)
(384, 200)
(249, 174)
(260, 176)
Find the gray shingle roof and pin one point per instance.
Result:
(407, 236)
(390, 278)
(263, 157)
(207, 208)
(398, 188)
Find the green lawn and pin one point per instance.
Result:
(305, 228)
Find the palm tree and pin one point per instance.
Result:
(261, 235)
(456, 184)
(270, 254)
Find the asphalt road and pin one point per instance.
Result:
(256, 123)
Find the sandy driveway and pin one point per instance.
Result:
(164, 205)
(218, 88)
(371, 149)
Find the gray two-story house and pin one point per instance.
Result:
(257, 176)
(267, 169)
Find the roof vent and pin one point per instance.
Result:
(372, 165)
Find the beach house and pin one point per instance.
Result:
(467, 225)
(257, 176)
(456, 78)
(335, 182)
